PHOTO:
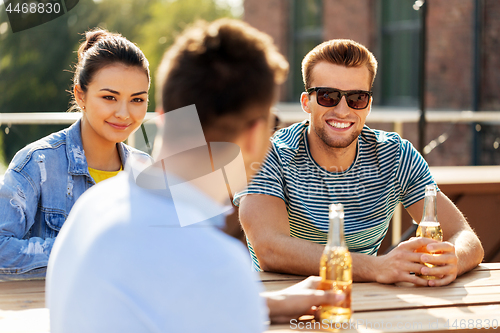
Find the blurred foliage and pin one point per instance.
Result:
(36, 64)
(167, 20)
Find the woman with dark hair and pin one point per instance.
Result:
(44, 179)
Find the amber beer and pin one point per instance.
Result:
(336, 269)
(429, 227)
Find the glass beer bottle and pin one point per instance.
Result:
(336, 269)
(429, 227)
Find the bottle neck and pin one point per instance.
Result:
(430, 209)
(336, 230)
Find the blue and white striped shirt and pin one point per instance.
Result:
(386, 170)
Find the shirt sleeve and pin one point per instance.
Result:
(413, 175)
(268, 180)
(20, 257)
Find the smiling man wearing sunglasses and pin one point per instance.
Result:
(335, 158)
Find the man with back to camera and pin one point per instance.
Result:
(122, 261)
(335, 157)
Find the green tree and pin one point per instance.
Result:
(36, 64)
(167, 20)
(35, 75)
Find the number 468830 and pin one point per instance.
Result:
(472, 324)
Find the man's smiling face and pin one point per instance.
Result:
(338, 126)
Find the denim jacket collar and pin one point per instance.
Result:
(76, 156)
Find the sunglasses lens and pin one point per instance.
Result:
(358, 100)
(327, 97)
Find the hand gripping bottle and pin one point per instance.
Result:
(429, 227)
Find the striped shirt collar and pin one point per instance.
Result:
(290, 137)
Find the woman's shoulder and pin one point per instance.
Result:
(54, 143)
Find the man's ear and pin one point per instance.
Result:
(304, 102)
(370, 107)
(159, 118)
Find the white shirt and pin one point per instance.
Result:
(122, 263)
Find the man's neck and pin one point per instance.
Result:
(329, 158)
(192, 165)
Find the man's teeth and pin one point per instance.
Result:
(339, 125)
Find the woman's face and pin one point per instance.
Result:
(115, 102)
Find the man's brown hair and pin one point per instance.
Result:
(223, 67)
(343, 52)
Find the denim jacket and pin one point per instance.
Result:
(42, 183)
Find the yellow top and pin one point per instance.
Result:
(99, 175)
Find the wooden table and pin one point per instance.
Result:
(22, 307)
(472, 299)
(473, 296)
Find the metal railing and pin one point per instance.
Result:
(290, 113)
(45, 118)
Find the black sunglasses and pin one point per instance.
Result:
(356, 99)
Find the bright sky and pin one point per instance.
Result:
(236, 6)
